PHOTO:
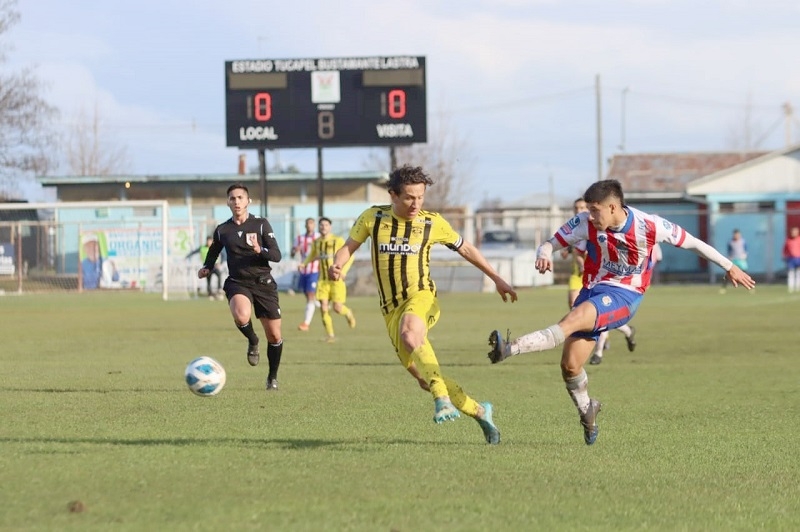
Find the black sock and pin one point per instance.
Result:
(249, 333)
(274, 352)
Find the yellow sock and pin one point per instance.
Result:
(344, 311)
(428, 366)
(327, 322)
(461, 400)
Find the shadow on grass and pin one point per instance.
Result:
(91, 390)
(445, 364)
(291, 444)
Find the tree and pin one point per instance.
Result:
(746, 133)
(27, 134)
(89, 152)
(447, 157)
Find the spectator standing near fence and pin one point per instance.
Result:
(791, 254)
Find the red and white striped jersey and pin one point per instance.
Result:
(302, 245)
(624, 257)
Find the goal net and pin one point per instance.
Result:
(82, 247)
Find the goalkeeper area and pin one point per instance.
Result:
(697, 432)
(143, 246)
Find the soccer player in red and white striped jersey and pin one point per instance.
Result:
(617, 269)
(309, 273)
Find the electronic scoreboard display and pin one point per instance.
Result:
(296, 103)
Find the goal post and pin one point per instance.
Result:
(45, 246)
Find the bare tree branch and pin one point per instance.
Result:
(27, 137)
(90, 152)
(447, 157)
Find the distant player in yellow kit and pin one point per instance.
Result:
(323, 249)
(402, 235)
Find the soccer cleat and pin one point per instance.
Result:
(302, 327)
(351, 320)
(252, 354)
(631, 340)
(590, 428)
(501, 349)
(272, 383)
(445, 411)
(329, 339)
(595, 360)
(490, 431)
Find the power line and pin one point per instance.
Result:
(701, 102)
(533, 100)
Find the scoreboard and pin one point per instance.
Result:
(303, 103)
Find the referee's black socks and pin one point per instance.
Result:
(274, 352)
(249, 333)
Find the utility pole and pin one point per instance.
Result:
(788, 111)
(622, 121)
(599, 128)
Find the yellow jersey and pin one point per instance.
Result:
(323, 249)
(401, 250)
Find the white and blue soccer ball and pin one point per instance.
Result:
(205, 376)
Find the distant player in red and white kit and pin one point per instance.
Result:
(309, 274)
(619, 245)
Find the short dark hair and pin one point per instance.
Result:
(407, 175)
(600, 191)
(325, 219)
(310, 220)
(235, 186)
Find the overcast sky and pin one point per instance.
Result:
(516, 78)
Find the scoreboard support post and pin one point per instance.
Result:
(320, 185)
(262, 179)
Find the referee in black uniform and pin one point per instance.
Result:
(250, 246)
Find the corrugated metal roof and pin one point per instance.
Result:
(670, 172)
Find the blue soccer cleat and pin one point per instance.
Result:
(490, 430)
(590, 428)
(445, 411)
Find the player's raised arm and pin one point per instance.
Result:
(476, 258)
(735, 274)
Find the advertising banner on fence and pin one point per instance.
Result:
(7, 258)
(129, 258)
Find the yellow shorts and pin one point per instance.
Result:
(422, 304)
(333, 291)
(575, 282)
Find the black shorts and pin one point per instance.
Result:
(263, 296)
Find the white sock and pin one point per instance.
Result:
(310, 307)
(538, 341)
(601, 343)
(578, 388)
(793, 277)
(626, 330)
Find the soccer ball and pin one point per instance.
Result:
(205, 376)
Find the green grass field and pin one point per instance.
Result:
(697, 429)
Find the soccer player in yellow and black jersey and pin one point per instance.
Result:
(323, 249)
(402, 236)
